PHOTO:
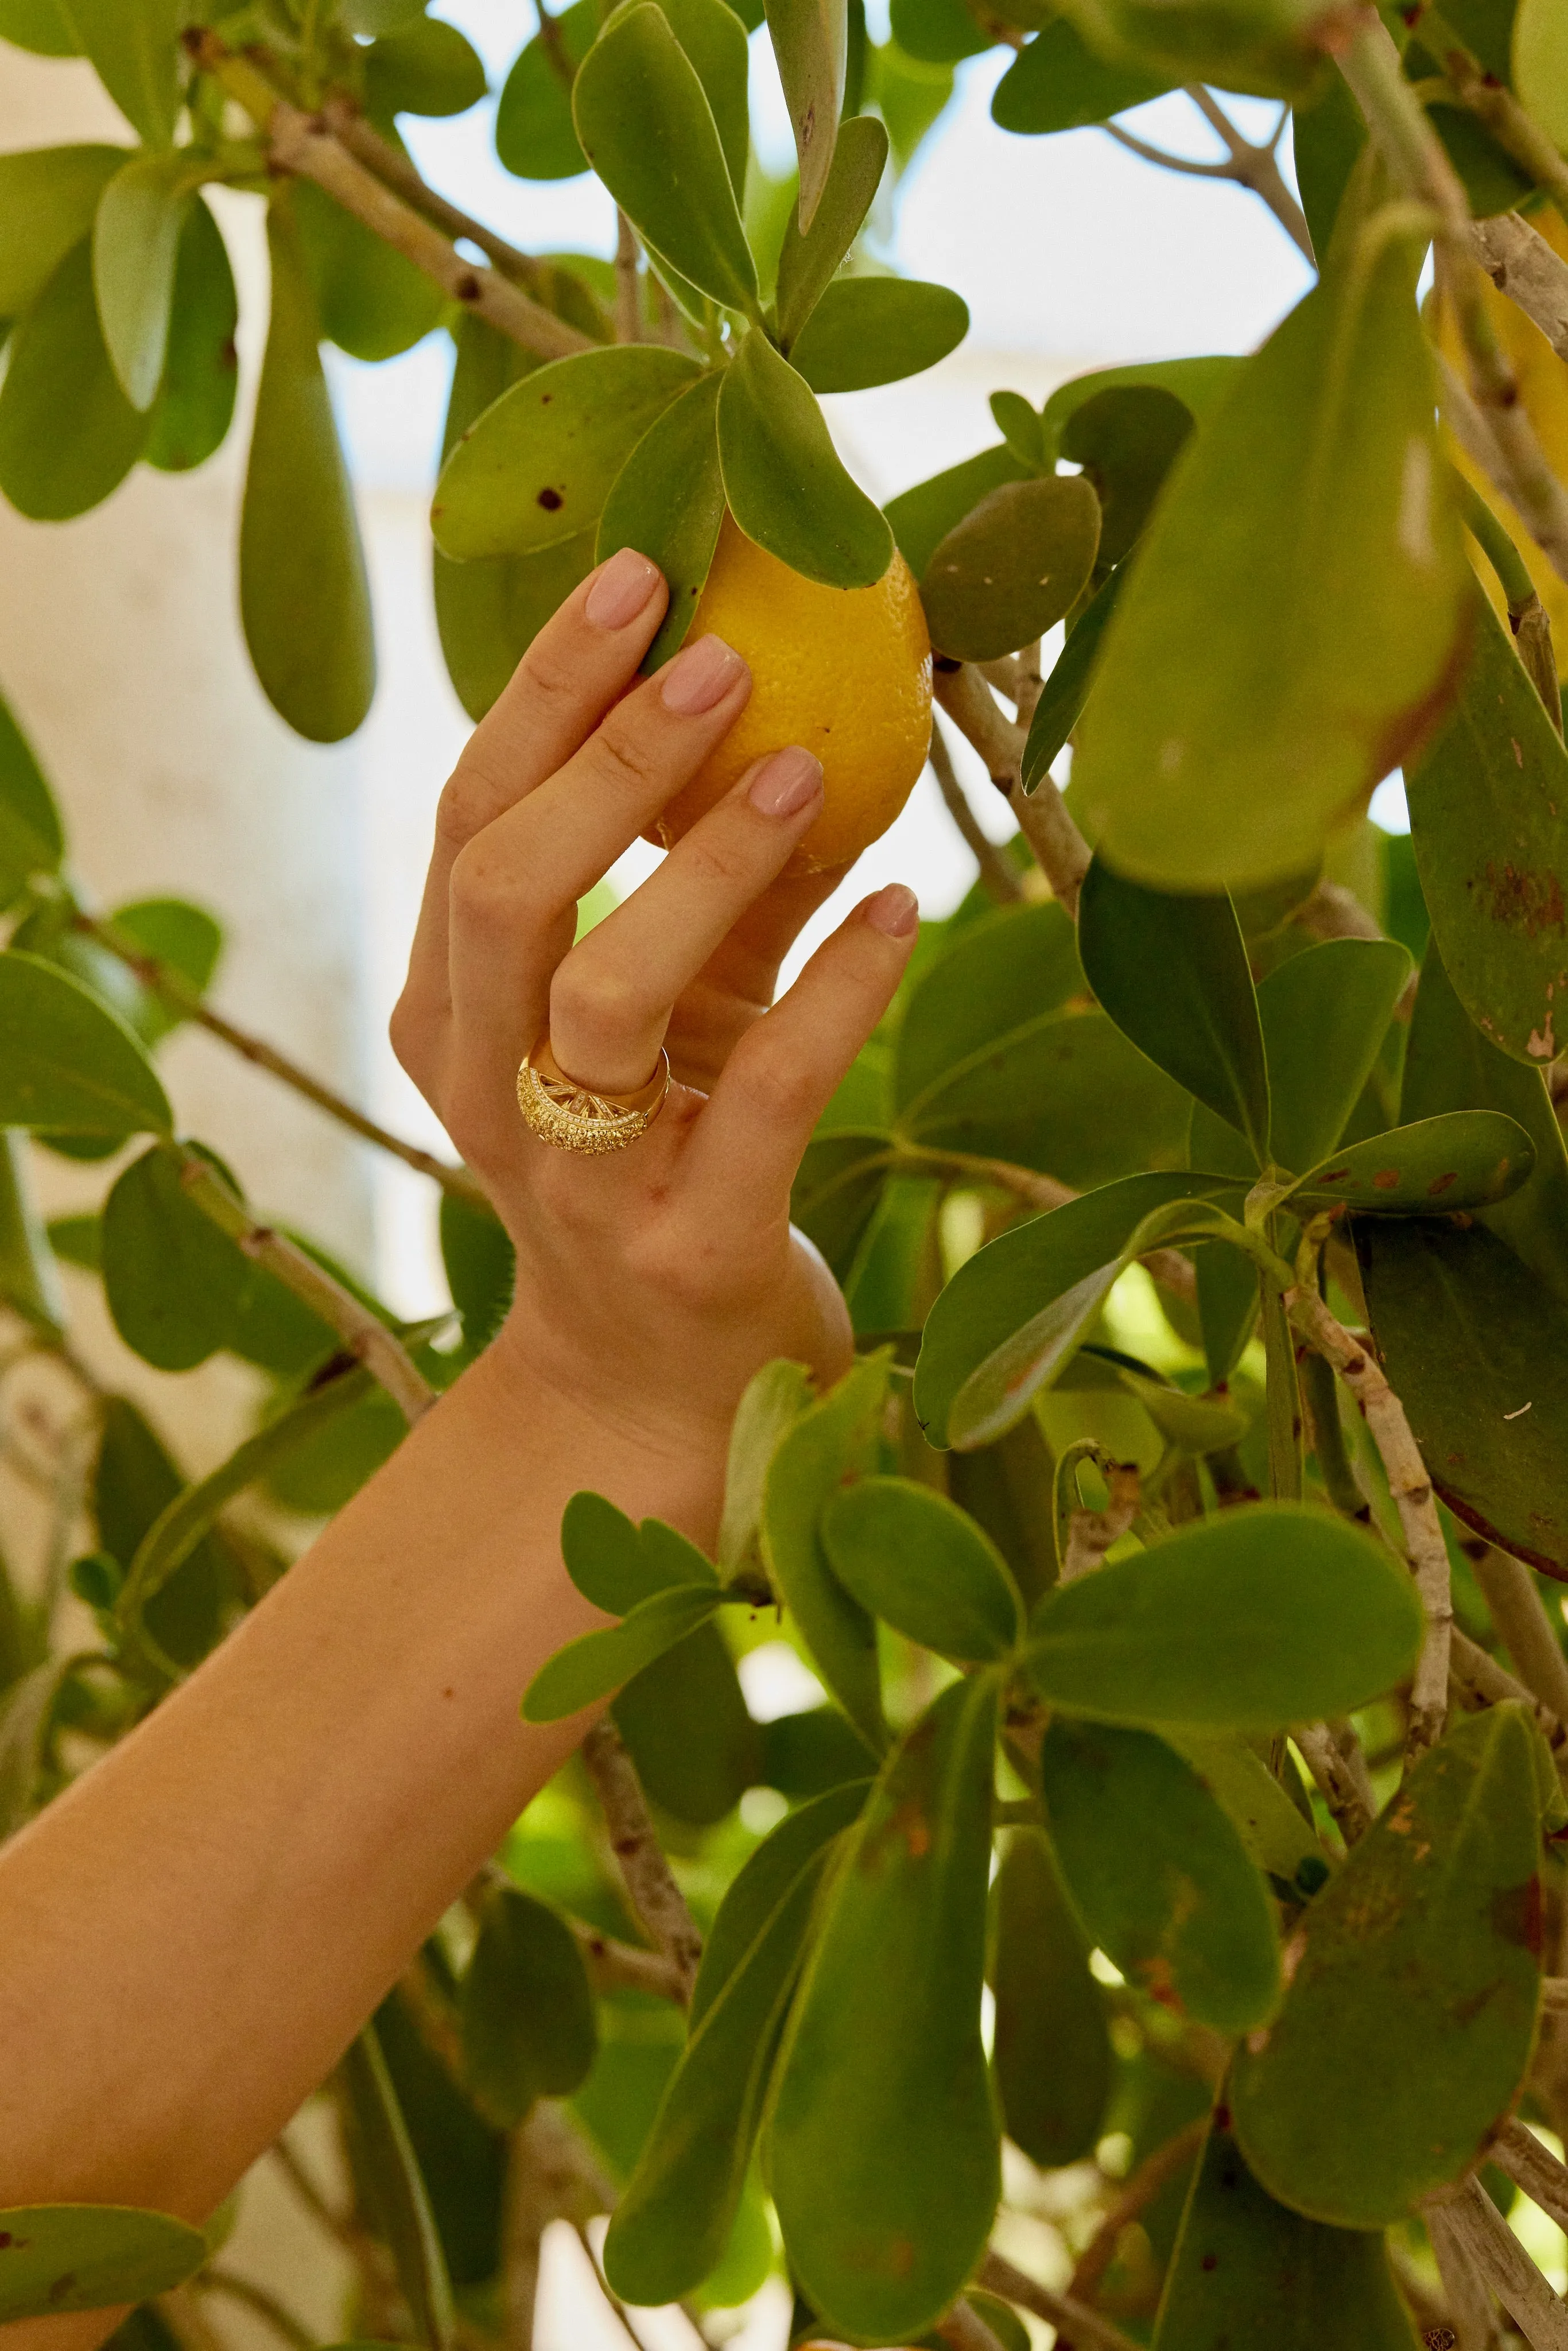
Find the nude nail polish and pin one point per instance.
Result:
(621, 589)
(894, 911)
(784, 783)
(699, 677)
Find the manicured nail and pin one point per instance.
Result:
(621, 589)
(784, 784)
(894, 911)
(699, 677)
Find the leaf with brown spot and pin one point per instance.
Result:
(60, 2257)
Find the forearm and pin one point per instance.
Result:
(191, 1936)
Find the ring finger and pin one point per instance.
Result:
(611, 996)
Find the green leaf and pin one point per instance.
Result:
(597, 1663)
(922, 518)
(1012, 568)
(329, 1466)
(807, 1753)
(1465, 1159)
(430, 68)
(68, 433)
(1247, 2269)
(480, 1264)
(526, 2011)
(646, 126)
(60, 2257)
(370, 300)
(1060, 705)
(304, 599)
(1290, 629)
(39, 26)
(685, 1724)
(1407, 2026)
(31, 839)
(937, 32)
(1540, 67)
(1159, 1874)
(773, 1401)
(1000, 1391)
(868, 330)
(1054, 2058)
(809, 41)
(1476, 1348)
(670, 2227)
(201, 371)
(837, 1187)
(134, 1482)
(713, 39)
(28, 1709)
(539, 465)
(535, 135)
(668, 501)
(1264, 46)
(1060, 83)
(1275, 1614)
(915, 1560)
(1276, 1835)
(785, 483)
(1172, 972)
(134, 47)
(174, 1281)
(617, 1566)
(69, 1064)
(29, 1277)
(1324, 1014)
(834, 1439)
(1012, 1276)
(987, 978)
(49, 197)
(1327, 138)
(398, 2197)
(1450, 1065)
(1201, 384)
(807, 263)
(884, 2139)
(1486, 801)
(1126, 439)
(135, 247)
(1019, 423)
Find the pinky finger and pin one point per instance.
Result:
(782, 1076)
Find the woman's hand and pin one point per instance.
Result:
(651, 1282)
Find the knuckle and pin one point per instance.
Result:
(551, 680)
(469, 799)
(486, 892)
(786, 1083)
(591, 994)
(624, 758)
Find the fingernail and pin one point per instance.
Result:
(700, 677)
(621, 589)
(784, 784)
(894, 911)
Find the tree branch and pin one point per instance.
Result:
(1345, 1789)
(1060, 847)
(181, 998)
(1258, 168)
(966, 2330)
(1516, 132)
(1078, 2328)
(1522, 264)
(1168, 1267)
(1533, 2168)
(628, 291)
(1476, 1676)
(1520, 1614)
(1472, 2221)
(265, 2305)
(302, 143)
(1412, 1490)
(364, 1337)
(614, 1966)
(656, 1898)
(999, 880)
(1469, 2305)
(1155, 2173)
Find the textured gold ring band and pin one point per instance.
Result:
(572, 1117)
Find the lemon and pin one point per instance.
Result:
(845, 672)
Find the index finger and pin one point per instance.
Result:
(579, 663)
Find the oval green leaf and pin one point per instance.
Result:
(1012, 568)
(807, 264)
(597, 1663)
(915, 1560)
(1464, 1159)
(1159, 1874)
(60, 2257)
(868, 330)
(1325, 1013)
(687, 1729)
(537, 465)
(69, 1064)
(921, 518)
(1206, 760)
(135, 247)
(526, 2012)
(810, 44)
(134, 47)
(1540, 62)
(1414, 1982)
(535, 138)
(32, 841)
(1126, 439)
(1060, 83)
(370, 300)
(30, 1275)
(668, 501)
(883, 2142)
(785, 482)
(304, 599)
(1052, 2054)
(174, 1281)
(49, 197)
(429, 68)
(1275, 1614)
(68, 433)
(201, 368)
(985, 980)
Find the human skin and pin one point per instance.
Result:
(193, 1932)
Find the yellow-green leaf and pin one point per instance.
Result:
(68, 1063)
(135, 246)
(48, 199)
(60, 2257)
(809, 41)
(785, 482)
(68, 433)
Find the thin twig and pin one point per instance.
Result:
(1411, 1489)
(364, 1337)
(999, 880)
(432, 2017)
(302, 143)
(1493, 103)
(181, 998)
(1078, 2328)
(1154, 2173)
(1168, 1267)
(1520, 1614)
(1165, 159)
(1469, 2305)
(1257, 169)
(966, 2330)
(1031, 684)
(1478, 1676)
(656, 1898)
(614, 1966)
(1522, 264)
(1050, 830)
(1340, 1785)
(628, 288)
(1473, 2221)
(265, 2305)
(337, 2224)
(1544, 2179)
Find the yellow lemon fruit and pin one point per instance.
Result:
(1543, 393)
(845, 672)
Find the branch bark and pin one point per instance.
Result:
(999, 880)
(1078, 2328)
(1344, 1789)
(1412, 1490)
(1060, 847)
(302, 143)
(1256, 168)
(1469, 2305)
(1090, 1533)
(1522, 264)
(1520, 1614)
(1533, 2168)
(1477, 1676)
(656, 1898)
(966, 2330)
(614, 1966)
(1471, 2221)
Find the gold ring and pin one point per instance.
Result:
(574, 1118)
